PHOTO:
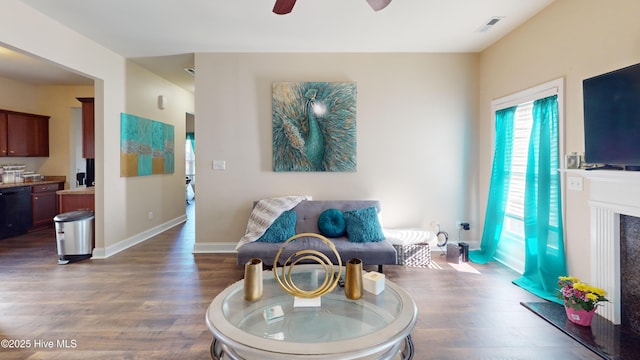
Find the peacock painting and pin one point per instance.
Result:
(314, 126)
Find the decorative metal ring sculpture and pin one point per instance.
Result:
(331, 276)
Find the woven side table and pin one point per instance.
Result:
(418, 255)
(412, 246)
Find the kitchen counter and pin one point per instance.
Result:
(82, 198)
(78, 191)
(31, 183)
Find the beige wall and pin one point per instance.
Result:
(162, 195)
(415, 137)
(22, 29)
(574, 39)
(18, 96)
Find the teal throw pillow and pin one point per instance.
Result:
(363, 225)
(283, 228)
(331, 223)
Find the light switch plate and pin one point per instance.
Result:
(218, 165)
(574, 183)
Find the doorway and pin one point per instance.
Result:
(77, 162)
(190, 163)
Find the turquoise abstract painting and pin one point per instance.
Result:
(146, 146)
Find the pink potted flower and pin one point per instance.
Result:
(580, 299)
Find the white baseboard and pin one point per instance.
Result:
(221, 248)
(103, 253)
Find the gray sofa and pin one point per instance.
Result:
(307, 213)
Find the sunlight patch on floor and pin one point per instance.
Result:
(465, 267)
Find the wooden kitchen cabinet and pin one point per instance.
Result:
(23, 134)
(88, 128)
(44, 204)
(3, 134)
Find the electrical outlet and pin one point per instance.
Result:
(462, 225)
(150, 215)
(218, 165)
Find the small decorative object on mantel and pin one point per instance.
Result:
(253, 279)
(353, 279)
(572, 161)
(331, 276)
(580, 299)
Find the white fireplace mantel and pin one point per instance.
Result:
(606, 175)
(612, 193)
(614, 189)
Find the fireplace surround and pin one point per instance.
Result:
(612, 194)
(630, 271)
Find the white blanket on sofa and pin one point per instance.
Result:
(265, 213)
(409, 236)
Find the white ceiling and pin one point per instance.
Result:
(163, 35)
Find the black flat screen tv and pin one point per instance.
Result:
(612, 118)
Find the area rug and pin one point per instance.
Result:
(602, 337)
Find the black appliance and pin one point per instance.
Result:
(15, 211)
(80, 178)
(90, 179)
(612, 118)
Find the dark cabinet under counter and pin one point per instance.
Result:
(44, 204)
(15, 211)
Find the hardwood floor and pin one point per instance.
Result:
(149, 301)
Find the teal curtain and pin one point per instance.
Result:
(544, 240)
(191, 136)
(498, 187)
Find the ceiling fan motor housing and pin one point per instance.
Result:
(283, 7)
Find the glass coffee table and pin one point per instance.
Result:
(373, 327)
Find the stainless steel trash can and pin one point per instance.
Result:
(459, 253)
(464, 251)
(74, 235)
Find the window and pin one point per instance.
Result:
(190, 158)
(511, 247)
(524, 192)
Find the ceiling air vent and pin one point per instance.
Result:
(490, 23)
(190, 70)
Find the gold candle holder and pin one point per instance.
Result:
(253, 279)
(353, 279)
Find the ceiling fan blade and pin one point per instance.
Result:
(378, 4)
(283, 7)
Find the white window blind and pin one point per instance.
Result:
(511, 247)
(522, 132)
(190, 159)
